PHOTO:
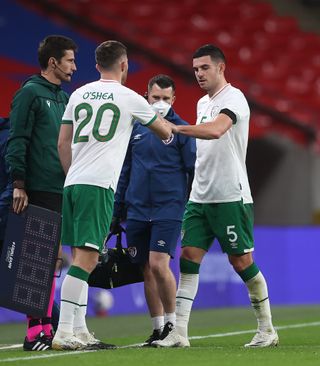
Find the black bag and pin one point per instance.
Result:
(115, 268)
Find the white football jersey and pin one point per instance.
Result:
(102, 114)
(220, 170)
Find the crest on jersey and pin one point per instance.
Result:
(215, 110)
(132, 251)
(169, 140)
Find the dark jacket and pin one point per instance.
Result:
(35, 118)
(154, 180)
(5, 182)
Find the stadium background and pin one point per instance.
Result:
(270, 58)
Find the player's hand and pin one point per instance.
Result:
(175, 128)
(115, 227)
(20, 200)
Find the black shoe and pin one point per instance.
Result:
(41, 343)
(155, 336)
(100, 345)
(166, 330)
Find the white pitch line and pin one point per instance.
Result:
(11, 346)
(136, 345)
(314, 324)
(46, 355)
(217, 335)
(302, 325)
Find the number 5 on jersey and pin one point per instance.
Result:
(231, 233)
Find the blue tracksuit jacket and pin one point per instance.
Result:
(5, 181)
(155, 177)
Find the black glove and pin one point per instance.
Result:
(115, 227)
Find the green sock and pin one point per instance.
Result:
(249, 272)
(190, 267)
(78, 272)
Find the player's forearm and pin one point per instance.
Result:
(209, 130)
(161, 128)
(64, 146)
(205, 131)
(65, 156)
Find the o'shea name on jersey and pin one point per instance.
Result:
(95, 95)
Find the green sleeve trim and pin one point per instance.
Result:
(79, 273)
(153, 119)
(66, 122)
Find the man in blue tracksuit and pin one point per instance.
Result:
(153, 189)
(5, 181)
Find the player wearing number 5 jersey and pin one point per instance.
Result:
(220, 205)
(93, 141)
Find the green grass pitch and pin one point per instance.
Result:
(217, 338)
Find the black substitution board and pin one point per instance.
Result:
(28, 260)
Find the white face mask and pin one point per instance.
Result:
(161, 107)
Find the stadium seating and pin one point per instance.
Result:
(275, 63)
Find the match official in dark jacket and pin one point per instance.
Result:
(35, 167)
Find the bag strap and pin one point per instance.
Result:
(118, 240)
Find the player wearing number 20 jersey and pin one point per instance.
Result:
(92, 144)
(102, 113)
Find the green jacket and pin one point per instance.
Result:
(35, 117)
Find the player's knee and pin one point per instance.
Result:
(92, 265)
(155, 267)
(240, 262)
(87, 263)
(189, 254)
(158, 269)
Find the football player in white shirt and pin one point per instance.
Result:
(220, 205)
(93, 141)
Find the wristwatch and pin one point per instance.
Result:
(18, 184)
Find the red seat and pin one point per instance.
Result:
(268, 56)
(260, 124)
(280, 25)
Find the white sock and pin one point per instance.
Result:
(157, 322)
(79, 324)
(71, 290)
(170, 317)
(258, 294)
(187, 290)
